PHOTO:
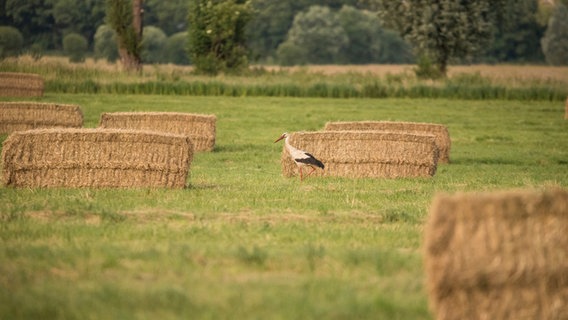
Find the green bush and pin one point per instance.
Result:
(176, 49)
(425, 69)
(290, 54)
(105, 44)
(555, 40)
(11, 41)
(216, 33)
(153, 42)
(75, 47)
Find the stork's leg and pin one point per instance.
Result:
(313, 169)
(301, 174)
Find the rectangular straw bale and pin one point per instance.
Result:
(96, 158)
(439, 131)
(16, 116)
(359, 154)
(14, 84)
(498, 255)
(201, 128)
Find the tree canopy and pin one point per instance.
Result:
(441, 29)
(555, 41)
(217, 35)
(378, 31)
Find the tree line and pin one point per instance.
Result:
(292, 32)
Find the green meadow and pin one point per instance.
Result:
(243, 242)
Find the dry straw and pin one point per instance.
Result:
(200, 128)
(13, 84)
(358, 154)
(95, 158)
(498, 255)
(440, 132)
(16, 116)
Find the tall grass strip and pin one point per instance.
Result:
(500, 255)
(360, 154)
(440, 132)
(15, 84)
(16, 116)
(95, 158)
(566, 109)
(200, 128)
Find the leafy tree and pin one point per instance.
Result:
(273, 18)
(78, 16)
(319, 33)
(75, 47)
(170, 16)
(442, 29)
(349, 35)
(269, 26)
(34, 20)
(43, 23)
(153, 43)
(364, 31)
(555, 41)
(125, 19)
(217, 40)
(105, 44)
(176, 51)
(11, 41)
(394, 48)
(517, 33)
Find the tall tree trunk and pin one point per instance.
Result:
(132, 61)
(137, 15)
(128, 47)
(129, 61)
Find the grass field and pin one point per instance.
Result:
(243, 242)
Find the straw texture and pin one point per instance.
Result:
(358, 154)
(95, 158)
(15, 116)
(440, 132)
(200, 128)
(498, 255)
(13, 84)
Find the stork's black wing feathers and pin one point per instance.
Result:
(311, 160)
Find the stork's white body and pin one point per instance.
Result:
(301, 158)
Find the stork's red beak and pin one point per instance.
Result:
(281, 137)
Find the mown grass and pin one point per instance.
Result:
(241, 241)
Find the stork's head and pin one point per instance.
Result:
(284, 135)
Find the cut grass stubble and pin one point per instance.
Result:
(242, 240)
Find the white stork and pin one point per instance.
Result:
(300, 158)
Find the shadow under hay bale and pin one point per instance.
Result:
(16, 116)
(359, 154)
(440, 132)
(14, 84)
(95, 158)
(200, 128)
(498, 255)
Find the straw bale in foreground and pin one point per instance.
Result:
(200, 128)
(15, 116)
(14, 84)
(498, 255)
(95, 158)
(439, 131)
(358, 154)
